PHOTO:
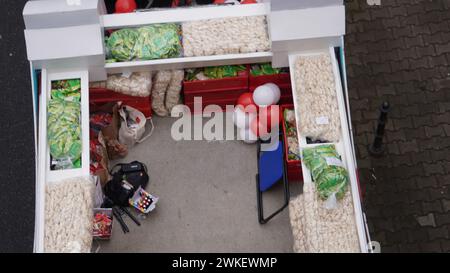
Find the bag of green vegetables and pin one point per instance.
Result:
(328, 172)
(66, 90)
(64, 133)
(120, 44)
(157, 41)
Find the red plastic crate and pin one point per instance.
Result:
(221, 103)
(283, 81)
(214, 96)
(294, 168)
(102, 95)
(216, 91)
(239, 82)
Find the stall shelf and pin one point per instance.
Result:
(343, 147)
(45, 174)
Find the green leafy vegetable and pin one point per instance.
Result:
(264, 69)
(121, 44)
(157, 41)
(326, 170)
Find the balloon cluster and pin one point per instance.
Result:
(254, 111)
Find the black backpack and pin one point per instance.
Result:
(125, 181)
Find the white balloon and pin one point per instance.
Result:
(276, 92)
(263, 96)
(247, 136)
(242, 119)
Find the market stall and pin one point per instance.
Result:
(154, 60)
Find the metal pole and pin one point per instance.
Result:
(377, 147)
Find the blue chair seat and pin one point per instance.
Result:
(271, 167)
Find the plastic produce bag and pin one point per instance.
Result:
(139, 84)
(66, 90)
(158, 41)
(64, 133)
(121, 44)
(328, 172)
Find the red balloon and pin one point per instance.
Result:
(259, 128)
(246, 99)
(266, 114)
(125, 6)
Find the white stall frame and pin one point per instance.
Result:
(344, 147)
(115, 21)
(44, 174)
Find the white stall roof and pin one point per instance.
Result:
(65, 43)
(62, 13)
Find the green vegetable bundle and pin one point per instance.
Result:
(121, 44)
(157, 41)
(327, 171)
(215, 72)
(64, 130)
(66, 90)
(264, 69)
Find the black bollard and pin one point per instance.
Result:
(377, 148)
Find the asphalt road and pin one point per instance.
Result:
(17, 164)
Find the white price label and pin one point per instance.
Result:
(333, 161)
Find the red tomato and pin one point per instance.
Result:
(219, 2)
(246, 99)
(125, 6)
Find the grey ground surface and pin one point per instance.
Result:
(207, 200)
(400, 52)
(16, 134)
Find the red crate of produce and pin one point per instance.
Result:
(103, 95)
(239, 82)
(216, 91)
(215, 95)
(283, 80)
(294, 168)
(221, 103)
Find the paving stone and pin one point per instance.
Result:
(443, 219)
(446, 205)
(402, 54)
(434, 131)
(408, 146)
(437, 194)
(441, 119)
(430, 247)
(433, 168)
(418, 235)
(432, 206)
(426, 220)
(426, 182)
(438, 233)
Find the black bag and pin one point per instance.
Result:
(125, 181)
